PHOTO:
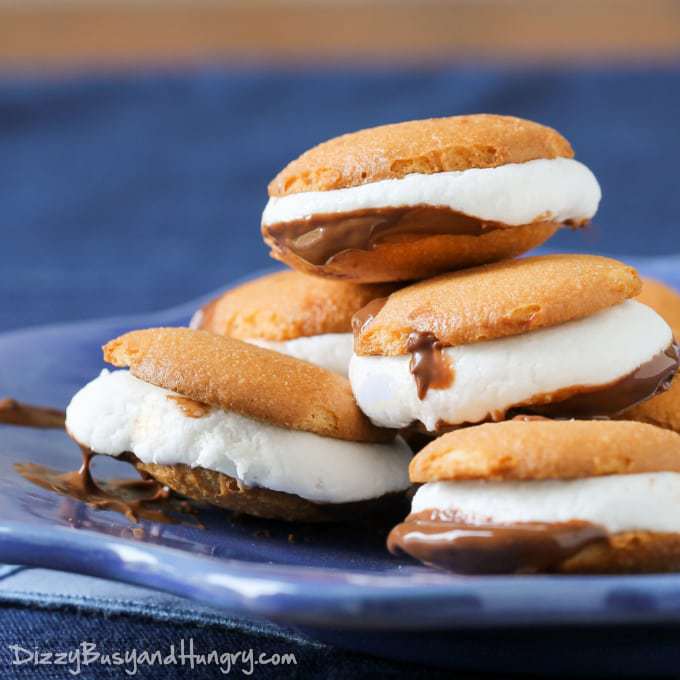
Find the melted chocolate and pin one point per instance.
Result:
(363, 318)
(585, 401)
(582, 401)
(439, 540)
(318, 239)
(23, 415)
(429, 366)
(143, 498)
(190, 407)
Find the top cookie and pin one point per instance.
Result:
(248, 380)
(287, 305)
(664, 300)
(497, 300)
(419, 146)
(547, 449)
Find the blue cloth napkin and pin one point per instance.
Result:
(121, 194)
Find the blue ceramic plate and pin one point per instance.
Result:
(321, 577)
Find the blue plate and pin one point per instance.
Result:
(331, 577)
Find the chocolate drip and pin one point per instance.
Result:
(583, 401)
(81, 480)
(143, 498)
(320, 238)
(190, 407)
(363, 318)
(439, 540)
(24, 415)
(429, 366)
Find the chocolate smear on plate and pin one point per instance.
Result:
(136, 498)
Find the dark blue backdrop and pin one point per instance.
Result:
(128, 193)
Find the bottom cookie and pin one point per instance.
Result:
(226, 492)
(407, 257)
(627, 552)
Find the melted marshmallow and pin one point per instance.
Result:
(331, 351)
(642, 502)
(117, 412)
(557, 189)
(496, 375)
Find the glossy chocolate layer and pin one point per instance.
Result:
(582, 401)
(593, 401)
(429, 367)
(142, 498)
(319, 238)
(442, 541)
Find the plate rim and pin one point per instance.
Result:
(349, 600)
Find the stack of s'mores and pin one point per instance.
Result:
(535, 391)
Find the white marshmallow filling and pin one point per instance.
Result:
(331, 351)
(557, 189)
(494, 376)
(117, 412)
(618, 503)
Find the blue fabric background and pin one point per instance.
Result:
(121, 194)
(58, 612)
(129, 193)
